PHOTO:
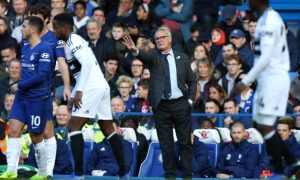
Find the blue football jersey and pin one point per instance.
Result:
(36, 72)
(57, 46)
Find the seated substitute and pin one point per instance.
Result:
(239, 158)
(102, 161)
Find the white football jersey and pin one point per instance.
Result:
(271, 49)
(83, 65)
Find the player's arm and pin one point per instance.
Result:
(43, 71)
(78, 50)
(267, 44)
(63, 68)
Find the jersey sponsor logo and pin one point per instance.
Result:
(228, 157)
(32, 57)
(266, 33)
(76, 49)
(45, 55)
(44, 60)
(60, 42)
(28, 66)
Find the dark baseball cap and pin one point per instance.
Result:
(229, 11)
(237, 33)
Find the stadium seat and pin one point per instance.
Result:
(212, 139)
(225, 134)
(88, 134)
(207, 135)
(88, 147)
(145, 132)
(296, 134)
(154, 137)
(129, 135)
(259, 147)
(293, 75)
(253, 136)
(152, 165)
(213, 153)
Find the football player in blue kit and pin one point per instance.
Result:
(44, 12)
(33, 102)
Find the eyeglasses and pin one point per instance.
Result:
(232, 64)
(136, 65)
(160, 38)
(124, 87)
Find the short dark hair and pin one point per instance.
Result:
(233, 45)
(10, 45)
(64, 19)
(81, 3)
(144, 83)
(253, 19)
(231, 100)
(119, 25)
(213, 101)
(209, 121)
(196, 27)
(112, 58)
(35, 22)
(42, 9)
(287, 122)
(98, 9)
(4, 3)
(125, 119)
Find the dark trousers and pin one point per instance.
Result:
(178, 113)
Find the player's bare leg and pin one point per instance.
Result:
(115, 142)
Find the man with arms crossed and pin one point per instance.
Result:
(90, 96)
(33, 102)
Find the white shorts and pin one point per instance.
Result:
(271, 99)
(95, 102)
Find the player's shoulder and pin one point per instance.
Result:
(44, 46)
(271, 18)
(25, 43)
(74, 40)
(49, 37)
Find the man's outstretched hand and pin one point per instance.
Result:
(129, 44)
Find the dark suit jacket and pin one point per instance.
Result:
(185, 78)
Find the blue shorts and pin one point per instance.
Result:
(32, 112)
